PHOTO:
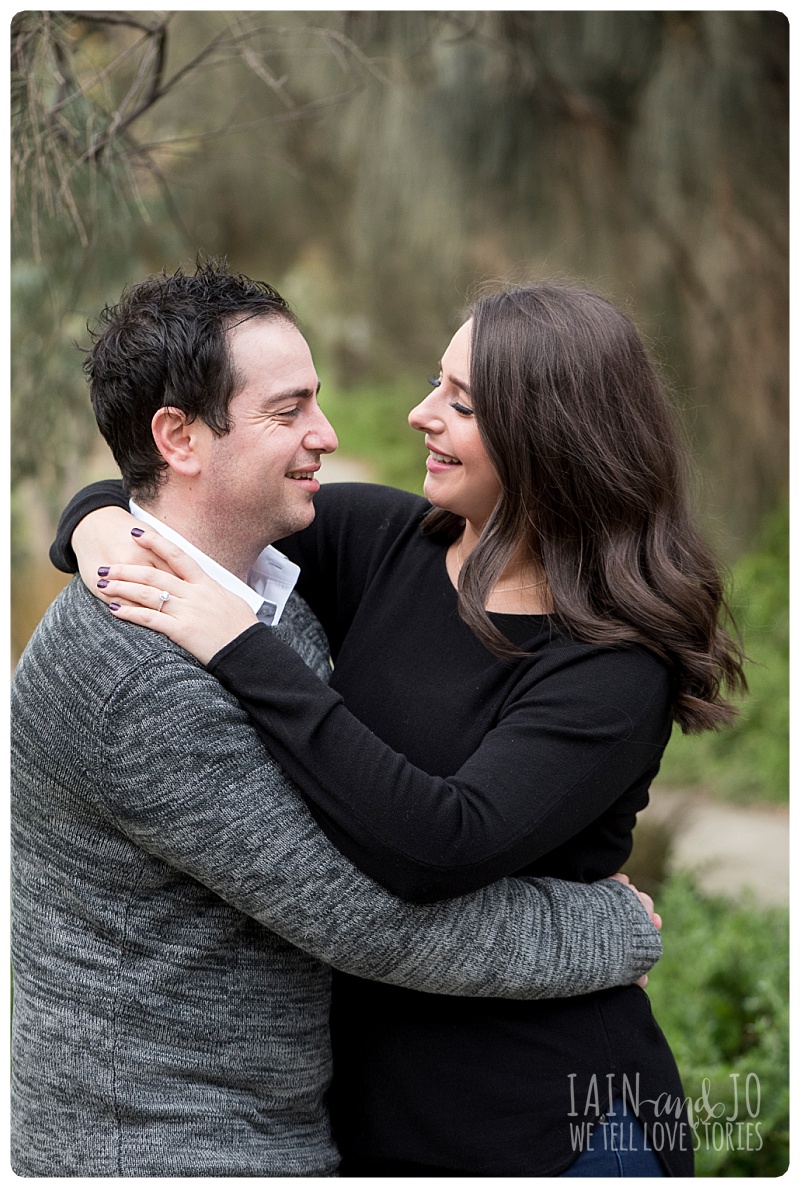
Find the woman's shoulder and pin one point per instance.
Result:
(628, 673)
(594, 666)
(354, 526)
(366, 508)
(369, 495)
(623, 656)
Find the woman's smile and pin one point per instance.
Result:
(438, 462)
(460, 477)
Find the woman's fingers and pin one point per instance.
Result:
(142, 575)
(185, 604)
(119, 583)
(137, 585)
(150, 596)
(178, 561)
(147, 605)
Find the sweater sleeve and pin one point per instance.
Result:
(106, 493)
(558, 758)
(195, 788)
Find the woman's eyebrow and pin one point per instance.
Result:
(462, 384)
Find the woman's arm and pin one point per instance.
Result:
(557, 759)
(548, 769)
(96, 525)
(98, 533)
(334, 554)
(215, 806)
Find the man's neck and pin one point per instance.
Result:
(227, 549)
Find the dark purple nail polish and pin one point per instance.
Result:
(137, 531)
(103, 571)
(102, 583)
(113, 606)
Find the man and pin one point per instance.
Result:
(176, 909)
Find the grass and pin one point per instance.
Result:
(371, 423)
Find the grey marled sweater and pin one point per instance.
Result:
(176, 912)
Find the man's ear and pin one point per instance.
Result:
(179, 440)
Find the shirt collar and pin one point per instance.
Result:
(269, 583)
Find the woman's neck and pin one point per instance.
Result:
(522, 587)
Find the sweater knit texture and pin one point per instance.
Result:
(176, 912)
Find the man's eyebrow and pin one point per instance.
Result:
(293, 394)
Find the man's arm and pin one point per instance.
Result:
(187, 779)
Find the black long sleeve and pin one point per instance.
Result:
(529, 756)
(442, 767)
(589, 726)
(106, 493)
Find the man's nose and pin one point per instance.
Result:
(321, 437)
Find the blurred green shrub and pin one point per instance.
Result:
(750, 762)
(371, 422)
(721, 995)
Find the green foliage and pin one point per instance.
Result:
(53, 429)
(750, 762)
(371, 423)
(410, 158)
(721, 995)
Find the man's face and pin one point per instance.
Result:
(259, 479)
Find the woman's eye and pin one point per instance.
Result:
(461, 408)
(434, 381)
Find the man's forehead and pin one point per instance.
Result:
(267, 336)
(273, 355)
(247, 325)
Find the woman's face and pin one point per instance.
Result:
(460, 476)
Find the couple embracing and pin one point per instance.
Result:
(313, 847)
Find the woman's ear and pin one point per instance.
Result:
(178, 440)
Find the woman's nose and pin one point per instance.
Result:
(425, 417)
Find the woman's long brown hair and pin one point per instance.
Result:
(583, 437)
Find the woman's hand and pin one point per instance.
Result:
(103, 534)
(199, 614)
(649, 907)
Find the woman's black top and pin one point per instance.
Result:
(437, 768)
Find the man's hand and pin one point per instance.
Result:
(649, 907)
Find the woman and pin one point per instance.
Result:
(510, 654)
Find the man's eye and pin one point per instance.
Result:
(435, 381)
(461, 408)
(290, 412)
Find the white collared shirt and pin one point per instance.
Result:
(269, 583)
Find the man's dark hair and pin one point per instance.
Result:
(165, 345)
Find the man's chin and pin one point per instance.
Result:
(300, 517)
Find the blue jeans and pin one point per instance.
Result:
(618, 1147)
